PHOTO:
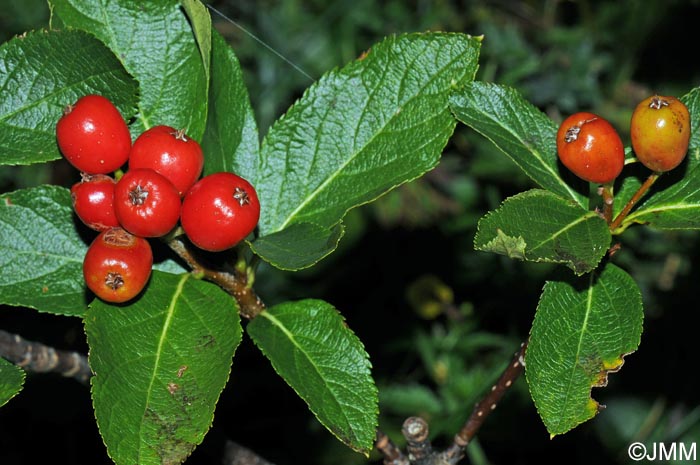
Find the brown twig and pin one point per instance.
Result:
(606, 192)
(415, 430)
(236, 283)
(392, 454)
(484, 407)
(40, 358)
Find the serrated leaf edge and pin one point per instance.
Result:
(266, 314)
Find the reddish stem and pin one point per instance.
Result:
(235, 283)
(608, 200)
(633, 201)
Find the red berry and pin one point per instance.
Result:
(146, 203)
(93, 136)
(93, 201)
(660, 132)
(117, 265)
(219, 211)
(590, 147)
(169, 152)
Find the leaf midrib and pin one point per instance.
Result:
(159, 350)
(277, 323)
(662, 208)
(589, 306)
(537, 154)
(321, 187)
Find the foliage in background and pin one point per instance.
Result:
(564, 57)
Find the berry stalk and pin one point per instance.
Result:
(237, 284)
(608, 201)
(633, 201)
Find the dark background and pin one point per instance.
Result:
(438, 319)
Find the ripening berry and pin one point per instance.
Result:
(219, 211)
(146, 203)
(590, 147)
(117, 265)
(660, 132)
(93, 135)
(169, 152)
(93, 201)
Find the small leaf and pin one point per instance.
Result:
(519, 130)
(540, 226)
(583, 329)
(231, 138)
(41, 73)
(362, 130)
(160, 364)
(41, 254)
(11, 381)
(299, 246)
(675, 207)
(315, 352)
(155, 42)
(409, 399)
(692, 101)
(627, 185)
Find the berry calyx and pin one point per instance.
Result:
(146, 203)
(590, 147)
(169, 152)
(93, 201)
(117, 265)
(660, 132)
(93, 136)
(219, 211)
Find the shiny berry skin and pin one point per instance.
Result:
(590, 147)
(117, 265)
(219, 211)
(93, 201)
(169, 152)
(93, 135)
(146, 203)
(660, 132)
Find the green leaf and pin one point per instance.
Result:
(156, 44)
(41, 73)
(676, 207)
(41, 253)
(299, 246)
(519, 130)
(542, 227)
(410, 399)
(362, 130)
(312, 348)
(583, 329)
(626, 186)
(201, 27)
(230, 141)
(160, 364)
(11, 381)
(692, 101)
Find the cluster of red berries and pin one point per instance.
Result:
(161, 187)
(590, 147)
